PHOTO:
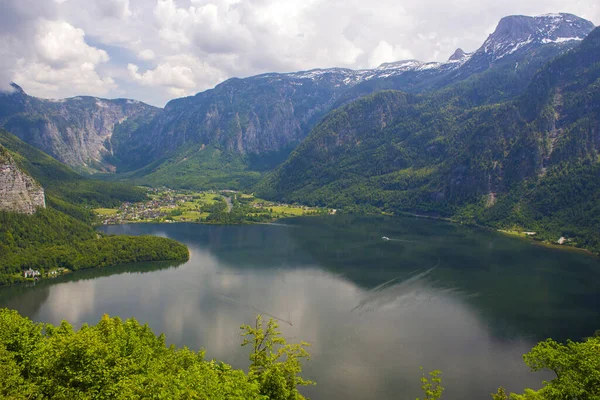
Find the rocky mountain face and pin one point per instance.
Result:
(19, 192)
(271, 112)
(519, 34)
(76, 131)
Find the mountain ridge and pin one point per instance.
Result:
(252, 124)
(76, 130)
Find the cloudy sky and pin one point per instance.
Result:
(156, 50)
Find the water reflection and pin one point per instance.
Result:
(438, 295)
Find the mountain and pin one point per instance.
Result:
(227, 137)
(76, 131)
(502, 66)
(528, 163)
(19, 192)
(270, 114)
(519, 33)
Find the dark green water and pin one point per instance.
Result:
(468, 302)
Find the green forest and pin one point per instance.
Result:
(206, 168)
(49, 240)
(117, 359)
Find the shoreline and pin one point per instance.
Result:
(69, 272)
(545, 243)
(514, 234)
(170, 222)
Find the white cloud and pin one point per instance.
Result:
(178, 75)
(164, 75)
(384, 52)
(114, 8)
(58, 62)
(75, 79)
(146, 54)
(61, 44)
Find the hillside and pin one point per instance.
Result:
(60, 236)
(527, 164)
(65, 189)
(251, 125)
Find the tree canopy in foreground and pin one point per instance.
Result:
(117, 359)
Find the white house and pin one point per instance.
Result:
(30, 273)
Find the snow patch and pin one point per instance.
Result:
(518, 46)
(349, 77)
(432, 65)
(551, 15)
(560, 40)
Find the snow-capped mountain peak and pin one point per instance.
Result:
(513, 34)
(517, 32)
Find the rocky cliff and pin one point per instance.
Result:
(76, 131)
(519, 34)
(18, 191)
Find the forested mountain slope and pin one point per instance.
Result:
(65, 189)
(529, 163)
(61, 236)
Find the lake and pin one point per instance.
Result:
(469, 302)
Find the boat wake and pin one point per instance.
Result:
(403, 293)
(387, 239)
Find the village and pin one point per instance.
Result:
(170, 206)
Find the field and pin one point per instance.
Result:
(106, 211)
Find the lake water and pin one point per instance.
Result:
(466, 301)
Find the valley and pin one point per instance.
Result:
(294, 195)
